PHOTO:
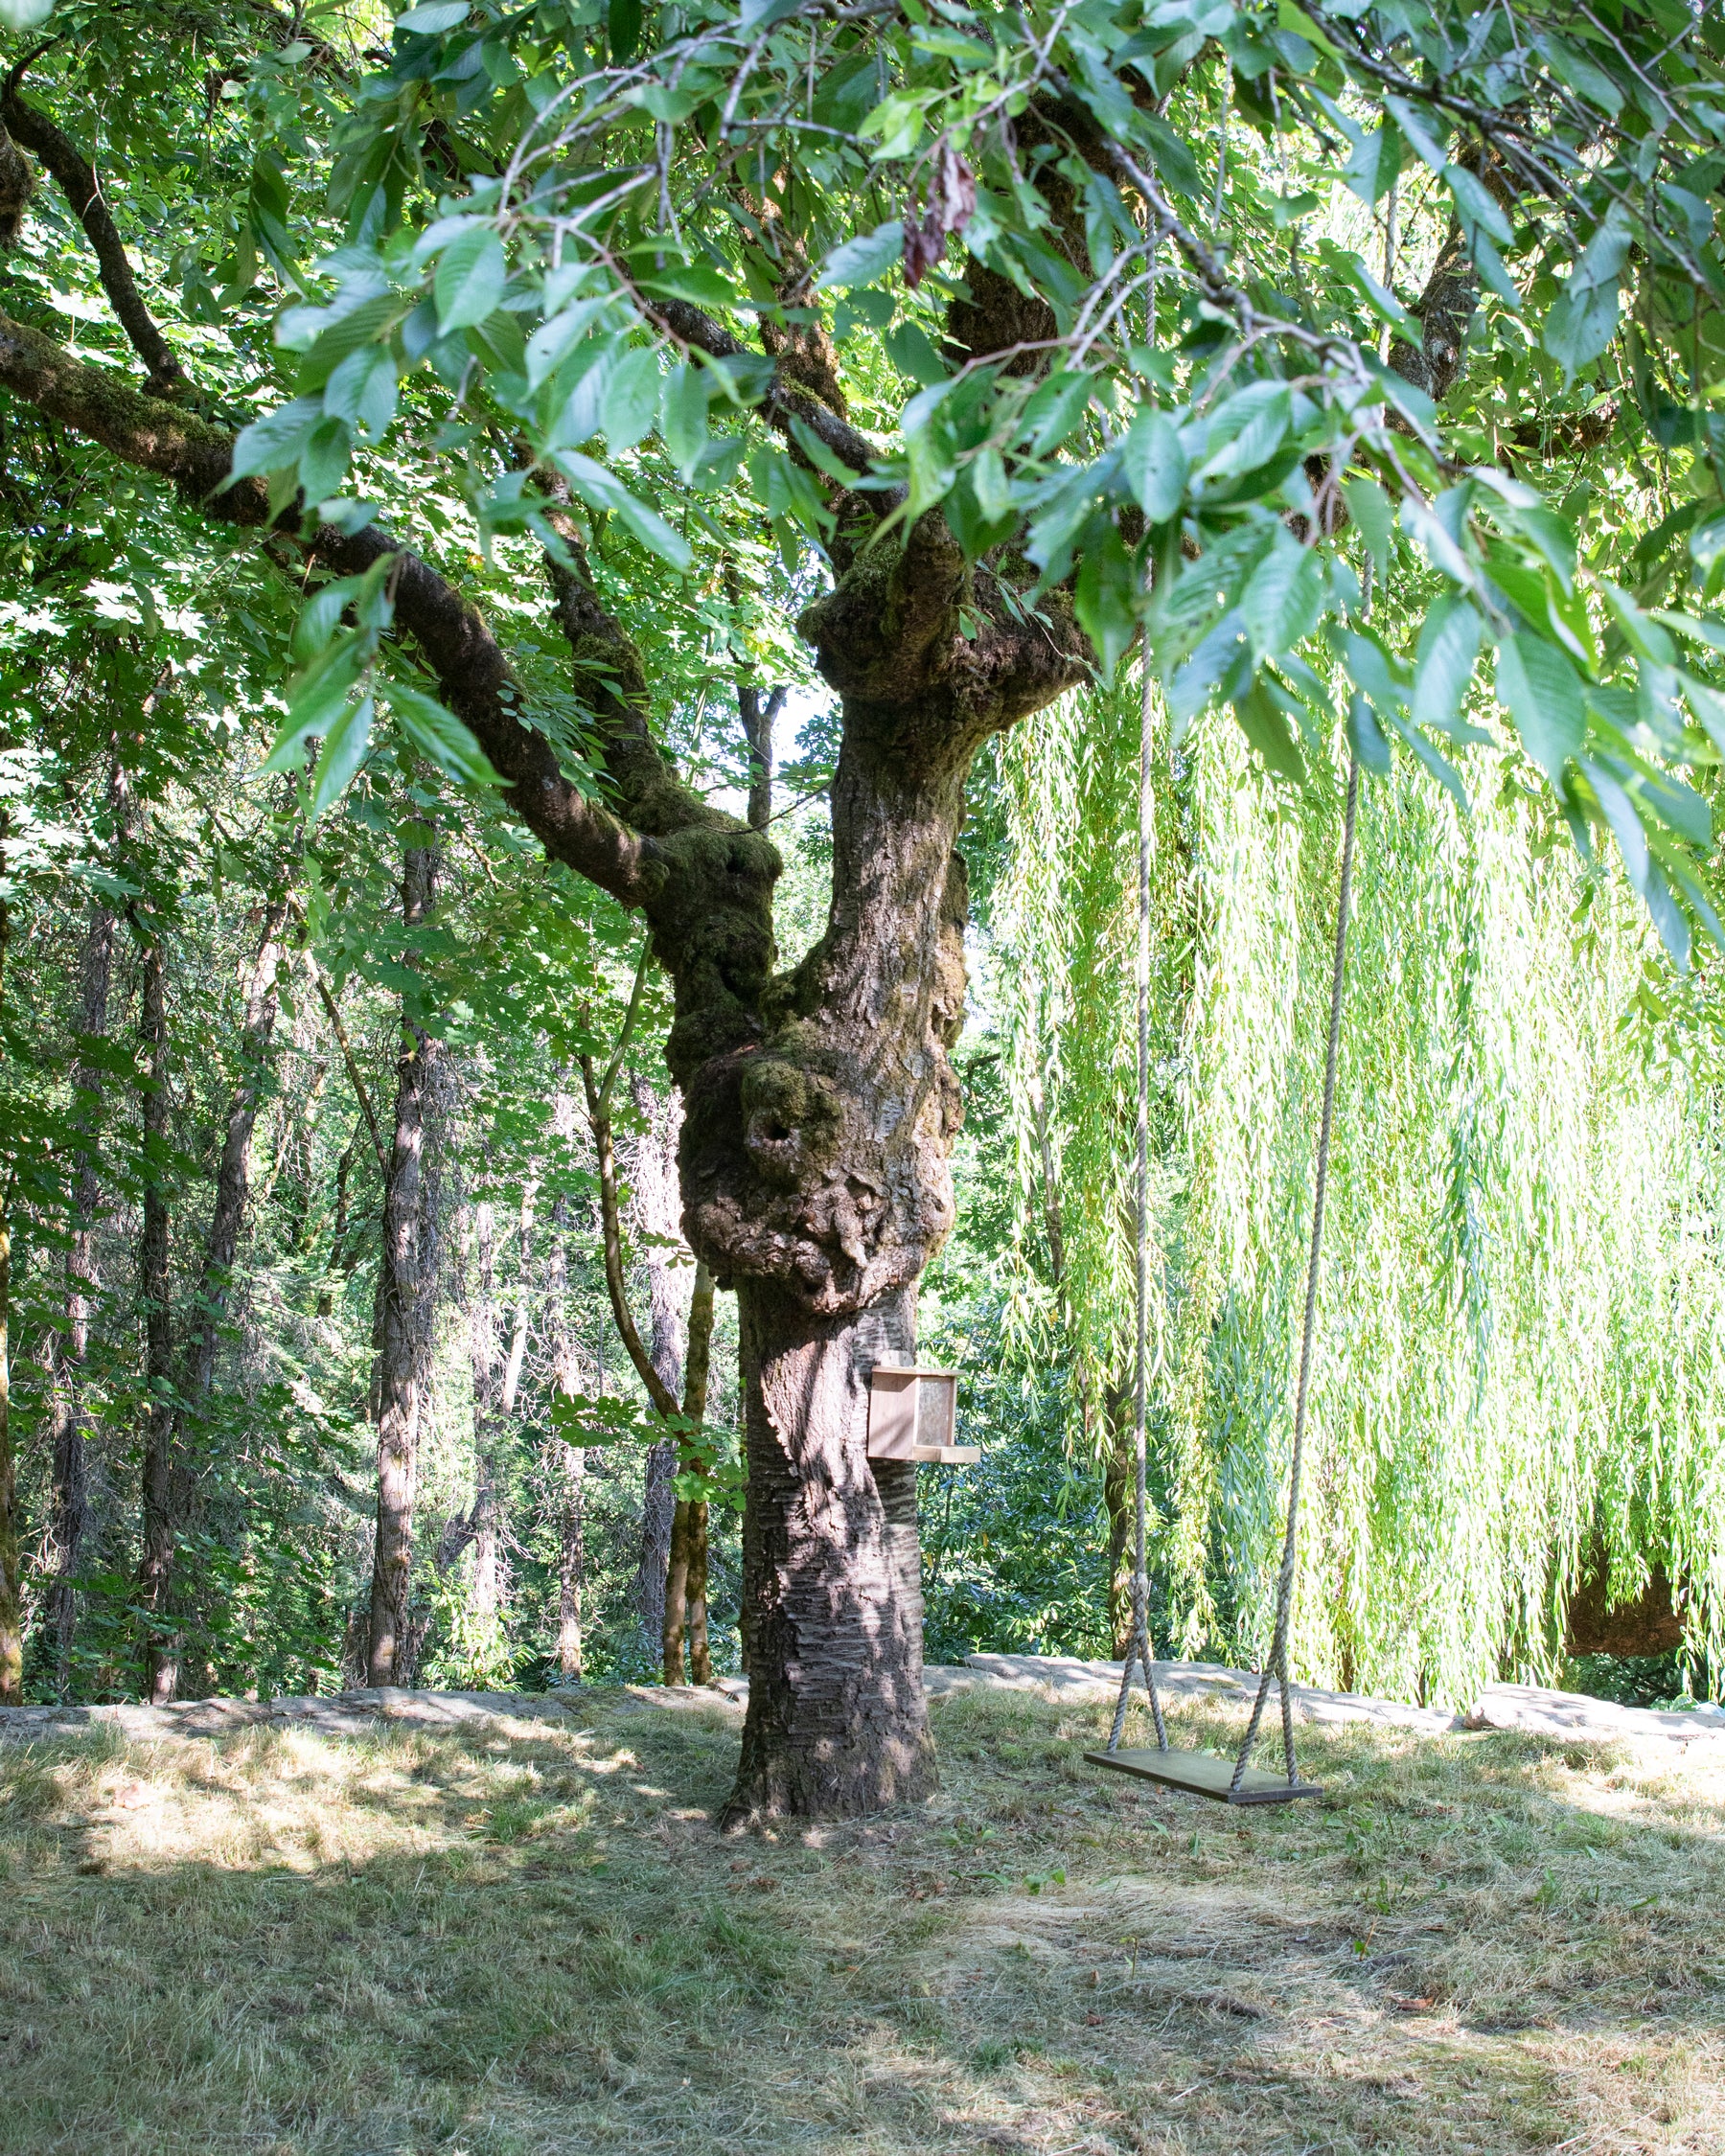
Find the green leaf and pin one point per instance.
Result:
(274, 441)
(1175, 165)
(911, 349)
(1476, 205)
(1583, 320)
(1579, 73)
(1265, 726)
(1106, 601)
(860, 262)
(602, 490)
(1433, 759)
(363, 391)
(323, 461)
(549, 344)
(631, 398)
(1366, 737)
(1443, 666)
(1153, 460)
(697, 282)
(1369, 669)
(1246, 431)
(1282, 598)
(992, 489)
(622, 25)
(438, 734)
(1542, 693)
(343, 752)
(470, 277)
(683, 416)
(1625, 824)
(1377, 296)
(317, 695)
(1374, 512)
(433, 19)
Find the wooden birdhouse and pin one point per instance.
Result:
(913, 1415)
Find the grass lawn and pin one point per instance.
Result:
(527, 1936)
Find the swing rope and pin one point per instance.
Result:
(1276, 1665)
(1139, 1648)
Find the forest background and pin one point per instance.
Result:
(224, 976)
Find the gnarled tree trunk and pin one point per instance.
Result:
(816, 1179)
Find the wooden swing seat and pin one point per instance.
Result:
(1201, 1774)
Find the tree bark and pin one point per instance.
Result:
(155, 1566)
(485, 1590)
(518, 1338)
(197, 1372)
(685, 1575)
(832, 1598)
(654, 1205)
(69, 1504)
(404, 1309)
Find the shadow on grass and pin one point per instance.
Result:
(528, 1938)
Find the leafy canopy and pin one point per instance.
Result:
(557, 248)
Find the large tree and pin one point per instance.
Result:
(1170, 385)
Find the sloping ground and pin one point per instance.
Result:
(1056, 1677)
(511, 1934)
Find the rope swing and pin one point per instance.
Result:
(1200, 1773)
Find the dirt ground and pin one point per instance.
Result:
(519, 1937)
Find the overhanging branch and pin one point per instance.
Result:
(76, 177)
(470, 666)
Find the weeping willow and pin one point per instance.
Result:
(1518, 1371)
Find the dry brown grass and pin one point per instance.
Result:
(526, 1937)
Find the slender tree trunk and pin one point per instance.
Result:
(339, 1233)
(156, 1562)
(686, 1576)
(295, 1155)
(656, 1211)
(485, 1598)
(517, 1337)
(209, 1311)
(758, 717)
(404, 1311)
(570, 1460)
(70, 1501)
